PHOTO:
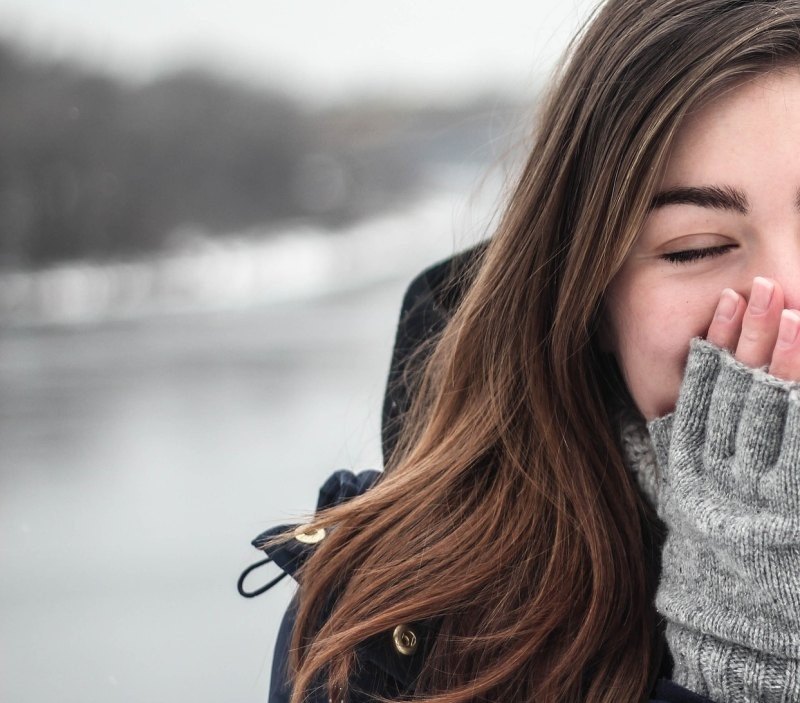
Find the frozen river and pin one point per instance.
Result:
(139, 459)
(142, 453)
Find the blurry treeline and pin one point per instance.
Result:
(91, 167)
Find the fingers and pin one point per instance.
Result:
(727, 323)
(760, 323)
(786, 356)
(760, 332)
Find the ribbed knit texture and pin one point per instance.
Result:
(723, 471)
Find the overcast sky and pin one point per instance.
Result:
(321, 50)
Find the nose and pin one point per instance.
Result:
(781, 264)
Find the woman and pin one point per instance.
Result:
(604, 438)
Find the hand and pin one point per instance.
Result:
(761, 332)
(729, 495)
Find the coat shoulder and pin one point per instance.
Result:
(388, 663)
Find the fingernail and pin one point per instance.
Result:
(787, 330)
(726, 308)
(761, 294)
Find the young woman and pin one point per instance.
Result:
(601, 457)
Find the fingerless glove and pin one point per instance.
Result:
(728, 489)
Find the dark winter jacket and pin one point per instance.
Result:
(391, 663)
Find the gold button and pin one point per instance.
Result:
(308, 535)
(405, 640)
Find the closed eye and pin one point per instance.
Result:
(682, 257)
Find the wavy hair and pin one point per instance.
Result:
(505, 513)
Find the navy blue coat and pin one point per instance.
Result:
(387, 667)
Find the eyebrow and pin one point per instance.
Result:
(717, 197)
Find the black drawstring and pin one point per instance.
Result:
(246, 573)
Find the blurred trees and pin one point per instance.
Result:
(94, 168)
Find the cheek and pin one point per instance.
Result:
(652, 332)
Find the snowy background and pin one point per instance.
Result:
(208, 215)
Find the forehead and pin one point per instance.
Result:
(752, 126)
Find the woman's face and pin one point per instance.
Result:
(730, 195)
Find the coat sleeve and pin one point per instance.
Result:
(279, 687)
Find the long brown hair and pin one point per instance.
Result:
(505, 512)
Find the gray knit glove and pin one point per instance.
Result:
(729, 494)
